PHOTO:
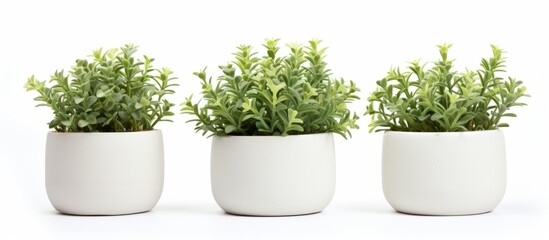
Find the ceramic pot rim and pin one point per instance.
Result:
(106, 133)
(482, 132)
(273, 137)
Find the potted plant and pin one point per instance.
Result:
(104, 156)
(443, 149)
(273, 119)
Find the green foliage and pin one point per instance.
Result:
(442, 100)
(275, 95)
(111, 92)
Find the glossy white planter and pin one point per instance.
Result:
(444, 173)
(273, 175)
(104, 173)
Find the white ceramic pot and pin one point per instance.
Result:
(273, 175)
(104, 173)
(457, 173)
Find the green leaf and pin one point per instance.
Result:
(436, 116)
(91, 119)
(424, 117)
(292, 116)
(246, 105)
(296, 128)
(91, 100)
(82, 123)
(503, 125)
(136, 116)
(100, 93)
(229, 129)
(78, 100)
(144, 102)
(66, 123)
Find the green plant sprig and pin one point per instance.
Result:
(274, 95)
(111, 92)
(439, 99)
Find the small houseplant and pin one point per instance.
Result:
(104, 156)
(443, 151)
(272, 118)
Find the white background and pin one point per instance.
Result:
(365, 39)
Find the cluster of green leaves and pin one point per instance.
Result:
(442, 100)
(275, 95)
(112, 92)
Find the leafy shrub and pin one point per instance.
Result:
(440, 99)
(274, 95)
(112, 92)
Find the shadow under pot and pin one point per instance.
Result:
(273, 175)
(104, 173)
(444, 173)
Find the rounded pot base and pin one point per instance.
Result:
(272, 215)
(101, 215)
(441, 214)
